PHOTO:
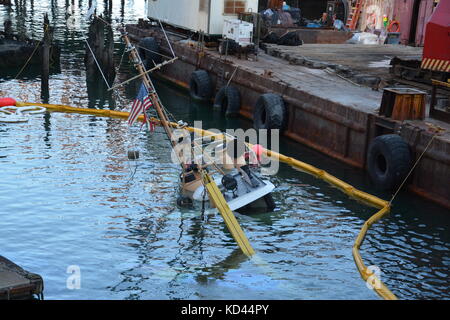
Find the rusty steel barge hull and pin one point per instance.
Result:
(325, 112)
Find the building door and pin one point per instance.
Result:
(414, 19)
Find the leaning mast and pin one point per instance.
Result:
(139, 65)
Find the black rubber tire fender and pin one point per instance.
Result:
(200, 86)
(148, 49)
(388, 161)
(270, 112)
(228, 100)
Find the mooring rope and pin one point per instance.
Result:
(98, 65)
(413, 167)
(32, 54)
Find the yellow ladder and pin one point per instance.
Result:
(230, 220)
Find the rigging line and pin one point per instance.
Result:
(231, 78)
(116, 93)
(165, 34)
(155, 52)
(104, 21)
(412, 169)
(121, 60)
(95, 59)
(159, 66)
(167, 39)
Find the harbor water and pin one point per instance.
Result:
(96, 225)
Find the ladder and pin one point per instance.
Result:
(353, 17)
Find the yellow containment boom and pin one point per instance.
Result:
(384, 206)
(230, 220)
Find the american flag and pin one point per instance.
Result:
(140, 104)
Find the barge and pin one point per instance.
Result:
(17, 283)
(323, 111)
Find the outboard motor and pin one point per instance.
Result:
(230, 183)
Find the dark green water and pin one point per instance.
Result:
(68, 196)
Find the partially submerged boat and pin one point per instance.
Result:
(231, 163)
(235, 168)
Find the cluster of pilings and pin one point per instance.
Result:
(99, 57)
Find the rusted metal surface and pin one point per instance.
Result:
(431, 176)
(434, 112)
(325, 113)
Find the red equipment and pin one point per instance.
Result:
(436, 51)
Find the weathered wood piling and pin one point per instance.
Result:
(45, 57)
(99, 57)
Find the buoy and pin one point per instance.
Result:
(7, 102)
(258, 150)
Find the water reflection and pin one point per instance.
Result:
(82, 202)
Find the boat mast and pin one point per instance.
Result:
(139, 65)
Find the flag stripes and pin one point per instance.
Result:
(142, 103)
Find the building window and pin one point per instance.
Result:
(234, 6)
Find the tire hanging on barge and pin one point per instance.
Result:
(270, 112)
(228, 99)
(388, 161)
(200, 85)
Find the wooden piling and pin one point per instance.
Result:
(8, 29)
(101, 41)
(45, 54)
(6, 2)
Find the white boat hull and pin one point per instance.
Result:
(240, 200)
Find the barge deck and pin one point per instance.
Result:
(17, 283)
(325, 111)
